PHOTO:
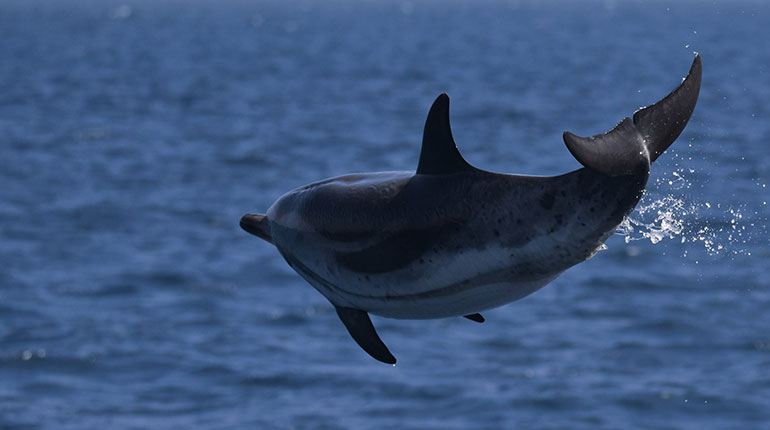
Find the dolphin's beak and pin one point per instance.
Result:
(257, 225)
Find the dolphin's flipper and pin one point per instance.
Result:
(361, 329)
(475, 317)
(257, 225)
(633, 145)
(439, 154)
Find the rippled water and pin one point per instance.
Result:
(134, 135)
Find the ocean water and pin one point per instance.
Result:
(133, 136)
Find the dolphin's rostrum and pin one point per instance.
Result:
(451, 239)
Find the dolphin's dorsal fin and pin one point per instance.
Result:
(439, 155)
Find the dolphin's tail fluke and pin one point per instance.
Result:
(633, 145)
(257, 225)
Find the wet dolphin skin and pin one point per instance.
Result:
(450, 239)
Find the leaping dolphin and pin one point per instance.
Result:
(451, 239)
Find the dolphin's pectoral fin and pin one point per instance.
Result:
(439, 154)
(361, 329)
(475, 317)
(257, 225)
(633, 145)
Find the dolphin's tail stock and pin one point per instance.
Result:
(257, 225)
(633, 145)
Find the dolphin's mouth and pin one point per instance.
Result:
(249, 222)
(257, 225)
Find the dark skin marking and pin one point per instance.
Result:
(344, 237)
(547, 200)
(395, 251)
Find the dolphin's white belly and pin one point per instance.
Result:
(461, 282)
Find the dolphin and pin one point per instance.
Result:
(450, 239)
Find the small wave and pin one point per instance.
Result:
(718, 227)
(667, 220)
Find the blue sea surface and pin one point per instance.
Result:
(133, 136)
